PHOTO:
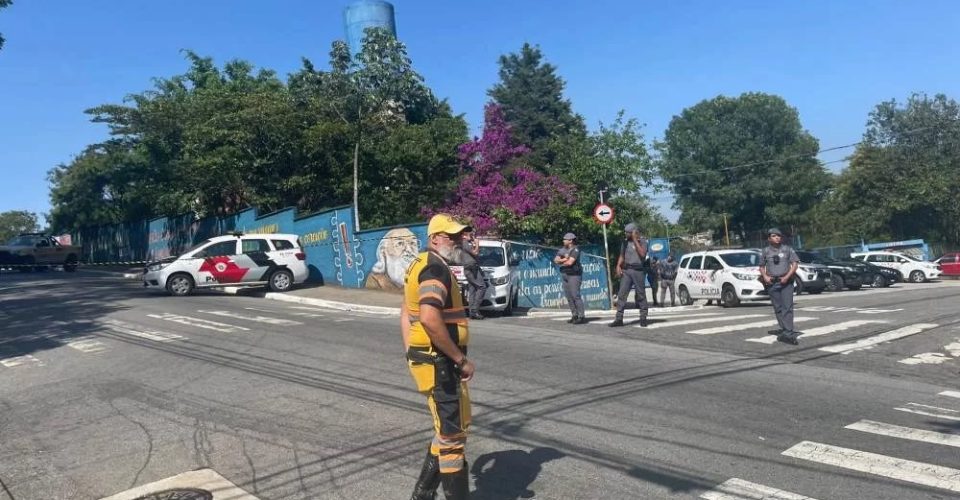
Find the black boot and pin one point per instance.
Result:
(456, 486)
(426, 487)
(617, 322)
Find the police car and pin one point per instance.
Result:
(917, 271)
(729, 276)
(273, 260)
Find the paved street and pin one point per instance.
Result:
(105, 386)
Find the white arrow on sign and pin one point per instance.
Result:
(603, 213)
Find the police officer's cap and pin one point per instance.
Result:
(444, 223)
(631, 227)
(775, 231)
(569, 236)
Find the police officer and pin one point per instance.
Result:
(778, 263)
(476, 285)
(653, 278)
(435, 335)
(630, 267)
(668, 274)
(568, 258)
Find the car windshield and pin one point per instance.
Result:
(23, 241)
(491, 257)
(812, 258)
(741, 259)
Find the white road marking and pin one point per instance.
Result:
(199, 323)
(930, 411)
(746, 326)
(259, 319)
(950, 394)
(738, 489)
(87, 344)
(669, 322)
(934, 358)
(25, 360)
(202, 479)
(342, 320)
(704, 318)
(869, 342)
(906, 433)
(822, 330)
(308, 315)
(872, 463)
(312, 309)
(154, 335)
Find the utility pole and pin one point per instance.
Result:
(606, 252)
(726, 230)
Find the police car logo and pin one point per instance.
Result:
(221, 267)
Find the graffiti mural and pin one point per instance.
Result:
(396, 250)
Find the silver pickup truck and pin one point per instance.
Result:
(35, 251)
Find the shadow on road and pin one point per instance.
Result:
(507, 475)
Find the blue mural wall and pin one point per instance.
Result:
(336, 254)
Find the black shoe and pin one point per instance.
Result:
(616, 322)
(643, 322)
(429, 481)
(581, 321)
(788, 339)
(572, 320)
(477, 316)
(776, 332)
(456, 486)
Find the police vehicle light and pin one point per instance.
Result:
(745, 277)
(503, 280)
(158, 266)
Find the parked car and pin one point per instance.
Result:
(842, 274)
(950, 264)
(915, 270)
(728, 276)
(500, 271)
(273, 260)
(882, 276)
(811, 278)
(37, 251)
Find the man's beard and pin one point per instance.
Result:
(453, 255)
(397, 267)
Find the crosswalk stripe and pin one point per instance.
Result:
(87, 345)
(935, 476)
(16, 361)
(259, 319)
(738, 489)
(745, 326)
(930, 411)
(706, 318)
(126, 329)
(950, 394)
(869, 342)
(821, 330)
(905, 433)
(197, 322)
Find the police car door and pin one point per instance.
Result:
(697, 276)
(254, 255)
(215, 265)
(714, 275)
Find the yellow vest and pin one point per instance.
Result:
(429, 278)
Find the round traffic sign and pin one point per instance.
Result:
(603, 213)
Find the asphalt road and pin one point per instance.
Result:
(105, 386)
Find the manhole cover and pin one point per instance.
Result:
(178, 494)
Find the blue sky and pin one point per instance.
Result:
(832, 60)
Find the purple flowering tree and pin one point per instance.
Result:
(496, 189)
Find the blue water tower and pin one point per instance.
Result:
(363, 14)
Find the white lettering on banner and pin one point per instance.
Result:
(847, 309)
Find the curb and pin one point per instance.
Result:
(326, 304)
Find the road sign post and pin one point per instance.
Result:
(603, 214)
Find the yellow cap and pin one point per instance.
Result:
(444, 223)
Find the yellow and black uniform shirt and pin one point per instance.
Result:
(429, 281)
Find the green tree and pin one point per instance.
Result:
(14, 222)
(4, 4)
(748, 157)
(531, 95)
(901, 182)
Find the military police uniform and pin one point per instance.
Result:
(476, 285)
(572, 279)
(633, 277)
(778, 261)
(429, 281)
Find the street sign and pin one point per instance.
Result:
(603, 213)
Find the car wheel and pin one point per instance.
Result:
(685, 299)
(180, 285)
(70, 265)
(917, 277)
(878, 281)
(797, 286)
(836, 283)
(729, 296)
(281, 281)
(508, 311)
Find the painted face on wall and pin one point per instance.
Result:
(397, 249)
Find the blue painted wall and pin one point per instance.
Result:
(337, 255)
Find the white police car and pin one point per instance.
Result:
(728, 276)
(273, 260)
(500, 271)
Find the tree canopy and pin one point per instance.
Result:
(4, 4)
(14, 222)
